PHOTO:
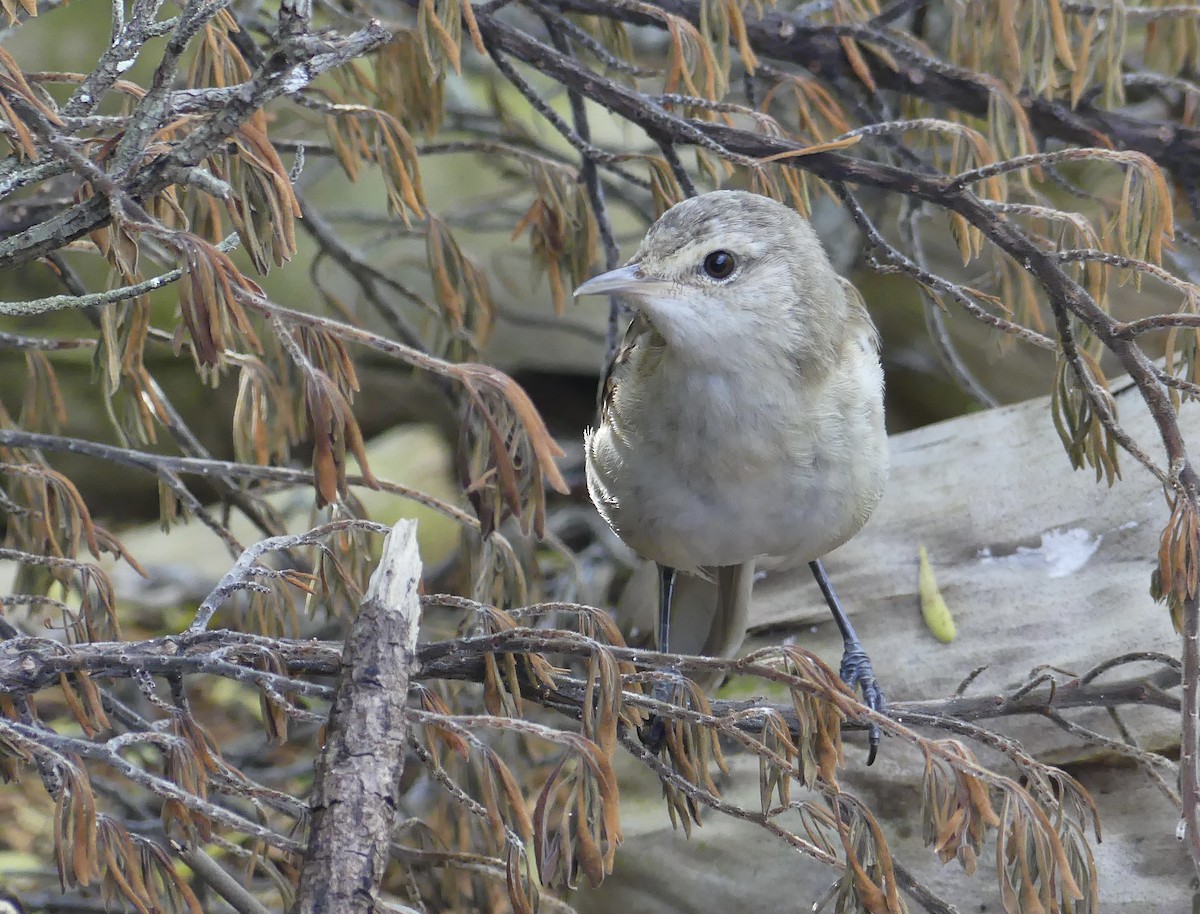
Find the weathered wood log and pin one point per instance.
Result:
(357, 788)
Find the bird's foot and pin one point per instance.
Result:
(858, 674)
(653, 733)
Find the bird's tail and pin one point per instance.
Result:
(709, 614)
(731, 616)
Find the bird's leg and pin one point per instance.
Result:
(655, 731)
(666, 587)
(856, 670)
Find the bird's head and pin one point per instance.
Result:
(725, 269)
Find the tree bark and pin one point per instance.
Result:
(358, 775)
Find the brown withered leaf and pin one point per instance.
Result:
(123, 876)
(263, 416)
(725, 23)
(208, 300)
(87, 707)
(869, 882)
(664, 186)
(408, 88)
(775, 779)
(117, 241)
(1034, 869)
(587, 851)
(562, 230)
(1170, 43)
(502, 689)
(439, 32)
(575, 819)
(1176, 580)
(1145, 207)
(15, 85)
(165, 207)
(460, 288)
(356, 82)
(200, 742)
(517, 816)
(956, 807)
(219, 63)
(818, 716)
(520, 880)
(97, 618)
(396, 154)
(263, 207)
(549, 843)
(1086, 438)
(436, 736)
(24, 146)
(126, 339)
(505, 451)
(819, 115)
(42, 406)
(143, 402)
(159, 869)
(10, 9)
(602, 702)
(858, 63)
(203, 212)
(329, 355)
(57, 522)
(333, 429)
(275, 719)
(692, 748)
(349, 143)
(1009, 132)
(75, 828)
(690, 55)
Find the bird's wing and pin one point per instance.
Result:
(639, 334)
(860, 317)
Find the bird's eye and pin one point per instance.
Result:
(719, 264)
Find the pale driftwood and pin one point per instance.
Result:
(357, 788)
(982, 493)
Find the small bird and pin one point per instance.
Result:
(742, 415)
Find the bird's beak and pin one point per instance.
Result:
(626, 280)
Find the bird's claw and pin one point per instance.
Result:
(858, 674)
(653, 734)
